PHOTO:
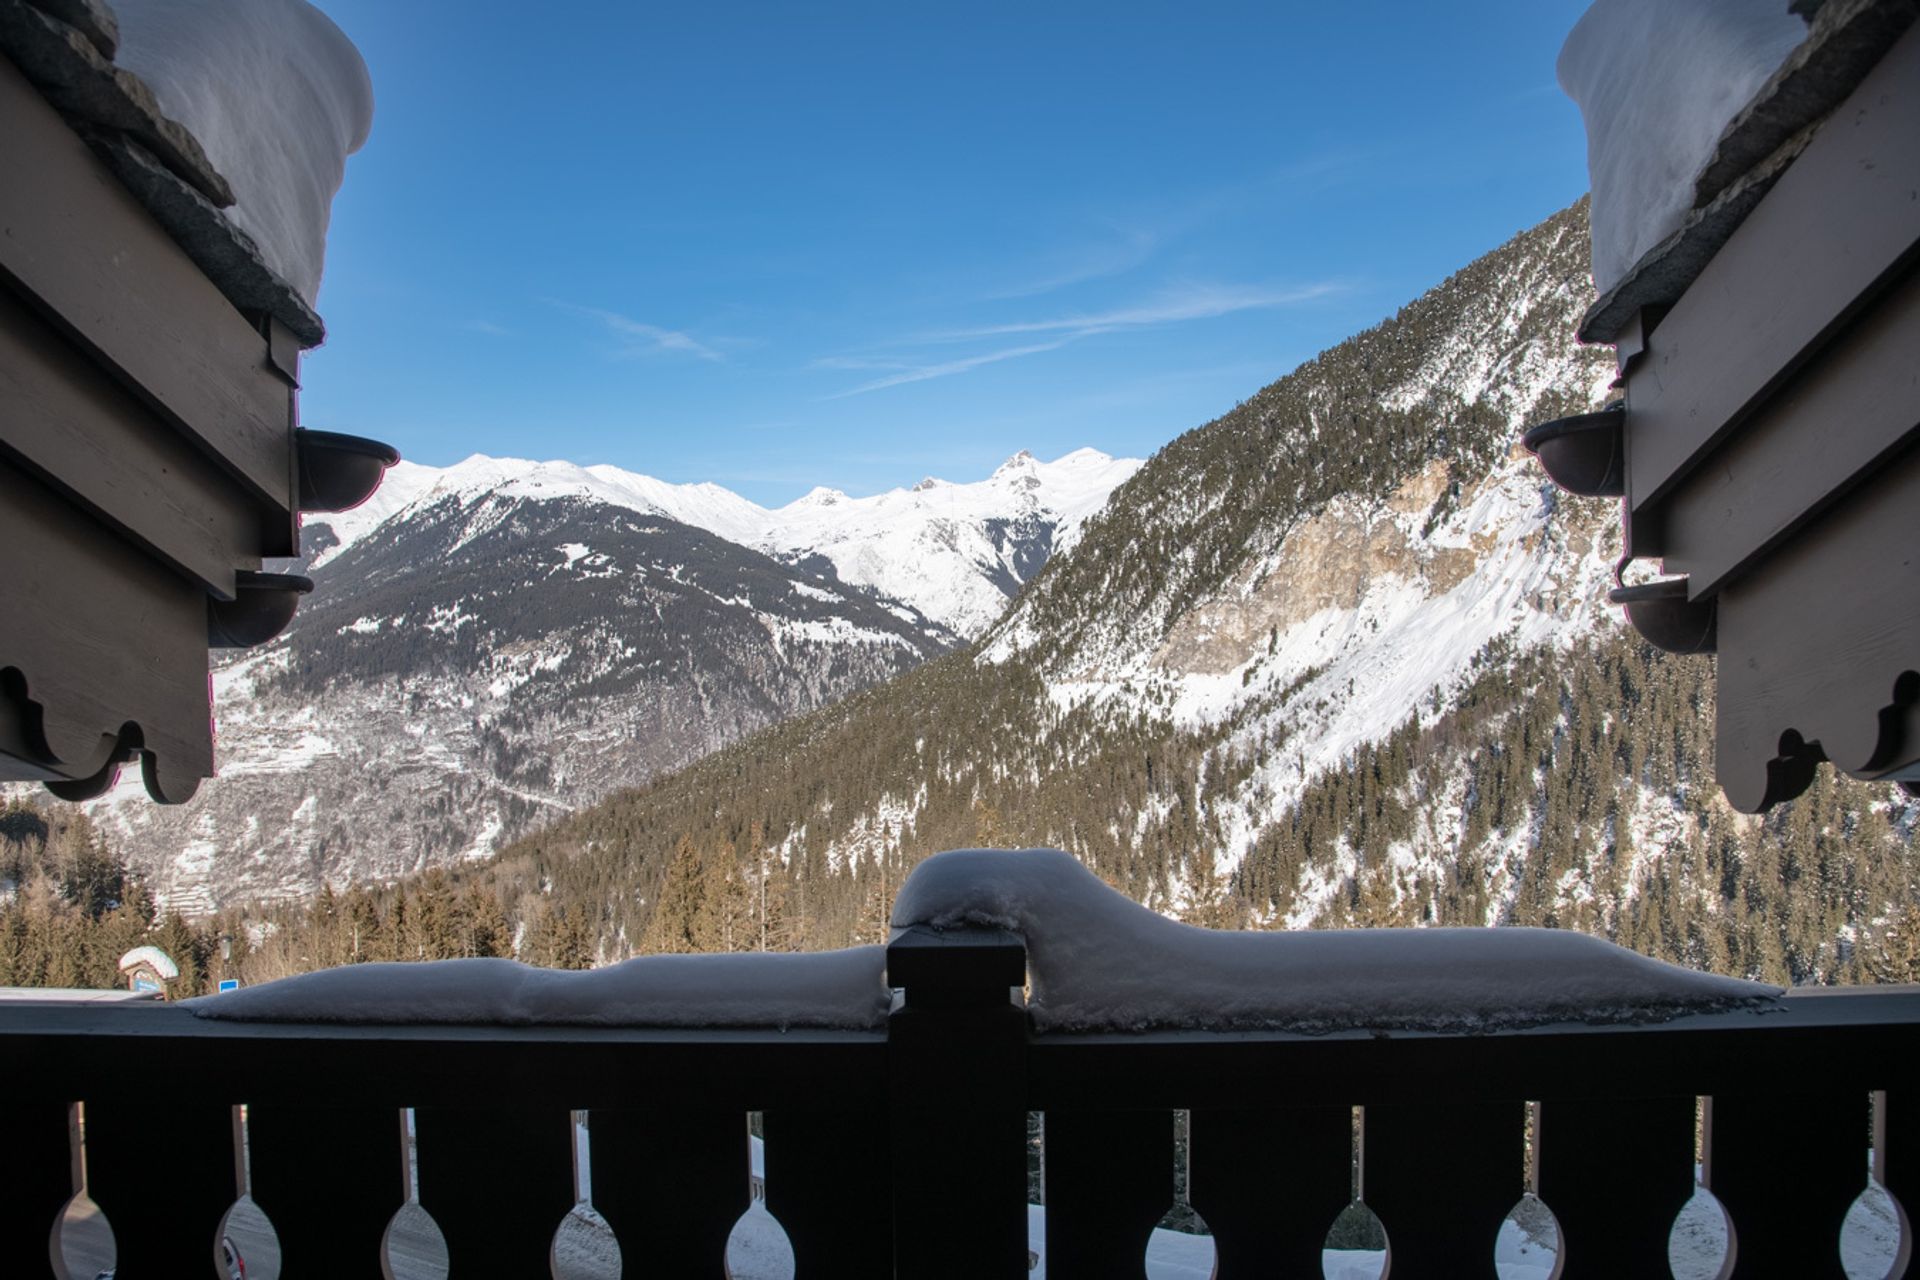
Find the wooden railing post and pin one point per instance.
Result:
(328, 1178)
(164, 1173)
(1787, 1166)
(1615, 1172)
(957, 1078)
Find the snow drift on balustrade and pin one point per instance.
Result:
(1097, 961)
(1657, 82)
(824, 989)
(277, 96)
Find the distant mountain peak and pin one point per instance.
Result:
(820, 496)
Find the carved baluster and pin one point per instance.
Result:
(1615, 1174)
(497, 1181)
(671, 1184)
(165, 1175)
(41, 1157)
(823, 1169)
(1109, 1180)
(1442, 1178)
(1786, 1167)
(328, 1178)
(1269, 1184)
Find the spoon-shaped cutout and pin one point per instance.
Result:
(1528, 1246)
(1700, 1246)
(1356, 1247)
(249, 1247)
(585, 1247)
(757, 1247)
(82, 1245)
(412, 1247)
(1181, 1253)
(1875, 1236)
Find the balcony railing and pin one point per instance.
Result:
(903, 1152)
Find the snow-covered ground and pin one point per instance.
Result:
(953, 551)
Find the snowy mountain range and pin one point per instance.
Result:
(955, 552)
(497, 643)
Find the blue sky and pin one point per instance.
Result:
(780, 245)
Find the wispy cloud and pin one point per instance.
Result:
(638, 338)
(1178, 306)
(1128, 250)
(921, 373)
(489, 328)
(1191, 302)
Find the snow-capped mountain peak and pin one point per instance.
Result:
(956, 552)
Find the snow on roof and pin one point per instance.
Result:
(158, 960)
(1658, 82)
(1694, 108)
(1097, 961)
(276, 95)
(840, 990)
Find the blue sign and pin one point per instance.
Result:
(229, 984)
(144, 983)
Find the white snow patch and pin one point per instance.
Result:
(1657, 82)
(278, 98)
(1098, 961)
(832, 989)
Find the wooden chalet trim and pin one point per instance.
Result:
(1772, 423)
(1836, 229)
(88, 256)
(150, 457)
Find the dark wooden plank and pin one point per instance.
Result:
(79, 246)
(1442, 1177)
(49, 1051)
(672, 1184)
(97, 444)
(1615, 1174)
(329, 1179)
(1109, 1180)
(1786, 1166)
(1819, 642)
(165, 1174)
(1839, 222)
(957, 1107)
(497, 1180)
(91, 592)
(36, 1141)
(1842, 418)
(824, 1171)
(1269, 1184)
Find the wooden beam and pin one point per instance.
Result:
(100, 446)
(1839, 225)
(105, 637)
(1847, 413)
(1817, 646)
(77, 246)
